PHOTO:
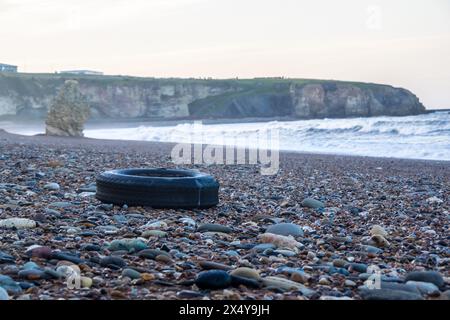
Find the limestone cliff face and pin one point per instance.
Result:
(347, 100)
(145, 101)
(118, 97)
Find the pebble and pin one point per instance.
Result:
(164, 258)
(380, 241)
(130, 245)
(30, 265)
(86, 282)
(237, 281)
(279, 241)
(52, 186)
(311, 255)
(286, 253)
(445, 295)
(40, 252)
(426, 276)
(113, 262)
(154, 233)
(324, 281)
(263, 246)
(372, 249)
(188, 221)
(358, 267)
(378, 230)
(10, 285)
(155, 225)
(398, 287)
(86, 194)
(349, 283)
(189, 294)
(33, 274)
(286, 285)
(147, 276)
(131, 273)
(300, 277)
(340, 263)
(6, 258)
(334, 270)
(212, 227)
(213, 279)
(151, 253)
(52, 212)
(425, 288)
(312, 203)
(245, 272)
(3, 294)
(434, 199)
(105, 206)
(61, 204)
(17, 223)
(386, 294)
(53, 273)
(210, 265)
(90, 247)
(328, 298)
(66, 257)
(285, 229)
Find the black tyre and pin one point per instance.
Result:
(158, 188)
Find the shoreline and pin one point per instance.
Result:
(50, 181)
(42, 139)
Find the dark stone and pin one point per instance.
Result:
(41, 252)
(358, 267)
(152, 253)
(387, 294)
(131, 273)
(426, 276)
(68, 257)
(334, 270)
(53, 273)
(251, 283)
(91, 247)
(112, 262)
(189, 294)
(33, 274)
(212, 227)
(6, 258)
(210, 265)
(105, 207)
(11, 286)
(213, 279)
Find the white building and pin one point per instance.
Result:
(7, 68)
(82, 72)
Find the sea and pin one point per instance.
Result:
(424, 136)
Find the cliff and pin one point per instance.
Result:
(27, 96)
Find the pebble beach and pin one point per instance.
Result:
(323, 228)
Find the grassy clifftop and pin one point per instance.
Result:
(124, 80)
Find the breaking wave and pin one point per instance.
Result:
(420, 137)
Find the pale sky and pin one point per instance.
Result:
(404, 43)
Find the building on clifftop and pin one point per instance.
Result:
(82, 72)
(7, 68)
